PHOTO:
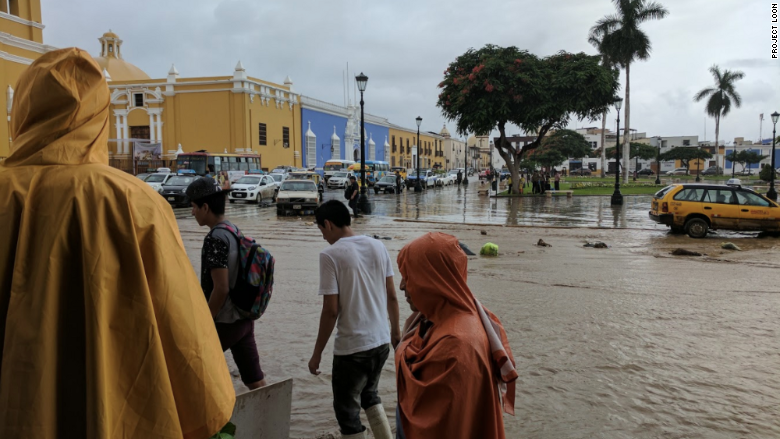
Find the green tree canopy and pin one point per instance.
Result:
(745, 157)
(559, 147)
(638, 150)
(685, 155)
(494, 86)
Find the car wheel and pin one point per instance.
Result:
(376, 191)
(696, 228)
(259, 199)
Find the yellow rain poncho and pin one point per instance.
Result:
(104, 330)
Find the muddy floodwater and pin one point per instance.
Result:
(623, 342)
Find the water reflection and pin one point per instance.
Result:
(465, 205)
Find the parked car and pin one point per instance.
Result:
(697, 208)
(307, 175)
(253, 188)
(143, 176)
(713, 170)
(427, 178)
(339, 179)
(157, 180)
(174, 190)
(298, 196)
(399, 170)
(471, 171)
(745, 172)
(581, 172)
(678, 171)
(645, 171)
(445, 179)
(387, 184)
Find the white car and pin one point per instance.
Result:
(445, 179)
(339, 179)
(297, 196)
(678, 171)
(253, 188)
(157, 180)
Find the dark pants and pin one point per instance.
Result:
(239, 337)
(557, 185)
(353, 205)
(355, 381)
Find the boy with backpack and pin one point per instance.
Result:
(236, 277)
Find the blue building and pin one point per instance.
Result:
(333, 132)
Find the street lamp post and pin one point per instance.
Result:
(465, 163)
(363, 203)
(417, 186)
(617, 197)
(658, 163)
(698, 167)
(772, 195)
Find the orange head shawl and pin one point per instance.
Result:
(450, 381)
(104, 332)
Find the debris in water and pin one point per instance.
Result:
(597, 244)
(684, 252)
(729, 246)
(541, 243)
(489, 249)
(484, 232)
(466, 249)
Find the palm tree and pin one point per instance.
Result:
(608, 64)
(625, 43)
(719, 103)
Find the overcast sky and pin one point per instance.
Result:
(404, 46)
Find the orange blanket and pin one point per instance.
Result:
(451, 380)
(104, 331)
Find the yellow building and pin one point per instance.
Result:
(403, 148)
(235, 114)
(21, 43)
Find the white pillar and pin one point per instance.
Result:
(125, 135)
(118, 134)
(159, 128)
(152, 131)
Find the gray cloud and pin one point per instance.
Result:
(405, 45)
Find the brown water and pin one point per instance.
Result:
(626, 342)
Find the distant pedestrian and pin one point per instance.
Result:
(557, 181)
(354, 191)
(460, 177)
(356, 283)
(535, 182)
(220, 266)
(398, 183)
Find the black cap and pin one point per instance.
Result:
(352, 177)
(203, 187)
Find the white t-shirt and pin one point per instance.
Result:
(356, 268)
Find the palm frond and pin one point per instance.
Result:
(651, 11)
(703, 94)
(605, 25)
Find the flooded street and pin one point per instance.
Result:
(624, 342)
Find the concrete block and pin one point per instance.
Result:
(264, 412)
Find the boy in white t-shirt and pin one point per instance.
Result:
(356, 282)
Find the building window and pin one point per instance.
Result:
(10, 7)
(110, 48)
(263, 134)
(686, 143)
(138, 99)
(285, 137)
(394, 148)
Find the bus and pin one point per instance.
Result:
(375, 169)
(333, 166)
(215, 163)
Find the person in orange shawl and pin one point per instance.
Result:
(104, 332)
(455, 370)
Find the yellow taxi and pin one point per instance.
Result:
(697, 208)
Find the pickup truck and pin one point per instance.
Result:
(427, 178)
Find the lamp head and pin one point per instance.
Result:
(419, 120)
(775, 115)
(361, 81)
(619, 103)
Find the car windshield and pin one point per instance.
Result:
(156, 178)
(180, 181)
(387, 180)
(454, 172)
(340, 174)
(662, 192)
(277, 177)
(299, 186)
(143, 177)
(333, 166)
(248, 180)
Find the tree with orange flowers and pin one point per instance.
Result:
(487, 89)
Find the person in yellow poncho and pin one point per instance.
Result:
(104, 332)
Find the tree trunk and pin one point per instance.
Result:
(510, 158)
(603, 146)
(627, 129)
(717, 148)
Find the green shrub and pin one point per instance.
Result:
(766, 172)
